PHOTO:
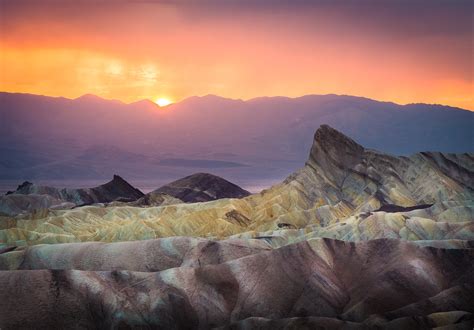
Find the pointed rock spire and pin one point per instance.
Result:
(334, 153)
(330, 144)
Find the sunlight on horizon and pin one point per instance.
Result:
(163, 102)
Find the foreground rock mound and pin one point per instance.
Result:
(202, 187)
(384, 283)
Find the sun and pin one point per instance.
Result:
(162, 102)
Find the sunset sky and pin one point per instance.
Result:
(402, 51)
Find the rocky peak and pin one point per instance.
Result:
(118, 179)
(202, 187)
(119, 187)
(24, 186)
(333, 150)
(327, 137)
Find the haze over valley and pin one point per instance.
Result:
(255, 143)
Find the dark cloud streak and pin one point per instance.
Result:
(396, 17)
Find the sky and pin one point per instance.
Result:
(405, 51)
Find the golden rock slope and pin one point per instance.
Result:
(344, 191)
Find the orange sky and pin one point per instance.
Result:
(401, 51)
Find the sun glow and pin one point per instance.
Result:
(162, 102)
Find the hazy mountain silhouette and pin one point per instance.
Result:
(89, 137)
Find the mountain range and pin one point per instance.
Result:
(264, 138)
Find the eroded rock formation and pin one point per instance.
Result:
(355, 239)
(193, 283)
(116, 189)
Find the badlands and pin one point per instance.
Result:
(354, 239)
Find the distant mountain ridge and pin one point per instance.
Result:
(54, 138)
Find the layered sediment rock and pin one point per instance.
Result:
(31, 198)
(38, 205)
(344, 191)
(376, 283)
(355, 239)
(116, 189)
